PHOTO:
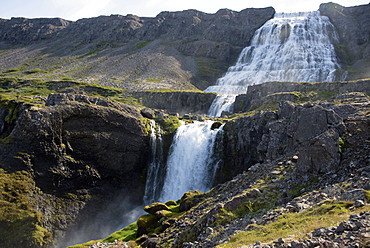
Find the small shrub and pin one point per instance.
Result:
(343, 144)
(170, 125)
(33, 71)
(367, 195)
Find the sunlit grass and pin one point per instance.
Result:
(296, 225)
(29, 91)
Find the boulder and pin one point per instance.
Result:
(146, 224)
(190, 199)
(314, 133)
(155, 207)
(148, 113)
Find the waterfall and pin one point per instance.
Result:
(289, 47)
(154, 181)
(190, 165)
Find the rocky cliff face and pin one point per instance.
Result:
(235, 28)
(175, 50)
(180, 102)
(310, 130)
(291, 131)
(353, 25)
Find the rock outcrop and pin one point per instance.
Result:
(353, 25)
(181, 102)
(275, 92)
(308, 131)
(22, 30)
(311, 130)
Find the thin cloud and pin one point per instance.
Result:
(77, 9)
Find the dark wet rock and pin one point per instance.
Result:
(148, 113)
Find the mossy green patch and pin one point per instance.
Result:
(125, 234)
(20, 224)
(176, 90)
(35, 71)
(153, 80)
(170, 125)
(142, 44)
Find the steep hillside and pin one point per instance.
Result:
(174, 50)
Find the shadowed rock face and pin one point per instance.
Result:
(311, 131)
(83, 154)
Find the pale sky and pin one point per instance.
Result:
(76, 9)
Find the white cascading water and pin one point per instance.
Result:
(155, 169)
(290, 47)
(190, 165)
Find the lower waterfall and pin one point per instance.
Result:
(190, 165)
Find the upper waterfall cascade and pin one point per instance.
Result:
(290, 47)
